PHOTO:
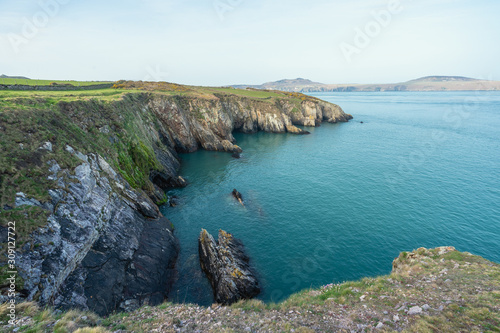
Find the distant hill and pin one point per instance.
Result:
(3, 76)
(285, 85)
(443, 79)
(428, 83)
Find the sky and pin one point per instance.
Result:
(222, 42)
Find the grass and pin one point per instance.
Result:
(20, 98)
(262, 94)
(32, 82)
(269, 96)
(46, 319)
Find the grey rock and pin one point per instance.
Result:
(227, 268)
(105, 129)
(69, 149)
(46, 146)
(53, 170)
(21, 200)
(415, 310)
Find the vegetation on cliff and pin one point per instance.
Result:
(437, 290)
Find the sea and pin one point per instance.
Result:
(412, 169)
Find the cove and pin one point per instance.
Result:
(422, 169)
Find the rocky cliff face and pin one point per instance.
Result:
(227, 267)
(209, 123)
(105, 246)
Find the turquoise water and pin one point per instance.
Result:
(423, 169)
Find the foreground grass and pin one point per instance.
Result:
(454, 292)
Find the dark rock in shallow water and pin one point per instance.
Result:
(237, 195)
(227, 267)
(236, 155)
(173, 201)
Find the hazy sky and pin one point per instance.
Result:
(218, 42)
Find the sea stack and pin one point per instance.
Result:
(227, 268)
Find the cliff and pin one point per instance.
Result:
(429, 290)
(82, 173)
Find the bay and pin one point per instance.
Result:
(422, 169)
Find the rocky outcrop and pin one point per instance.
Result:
(227, 267)
(106, 246)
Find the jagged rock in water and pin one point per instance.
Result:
(237, 195)
(173, 201)
(227, 267)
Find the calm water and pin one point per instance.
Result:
(423, 169)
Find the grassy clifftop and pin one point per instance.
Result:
(437, 290)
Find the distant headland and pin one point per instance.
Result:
(428, 83)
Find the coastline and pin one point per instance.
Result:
(111, 177)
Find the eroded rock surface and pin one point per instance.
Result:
(106, 246)
(227, 267)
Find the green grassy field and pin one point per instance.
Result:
(10, 97)
(120, 87)
(30, 82)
